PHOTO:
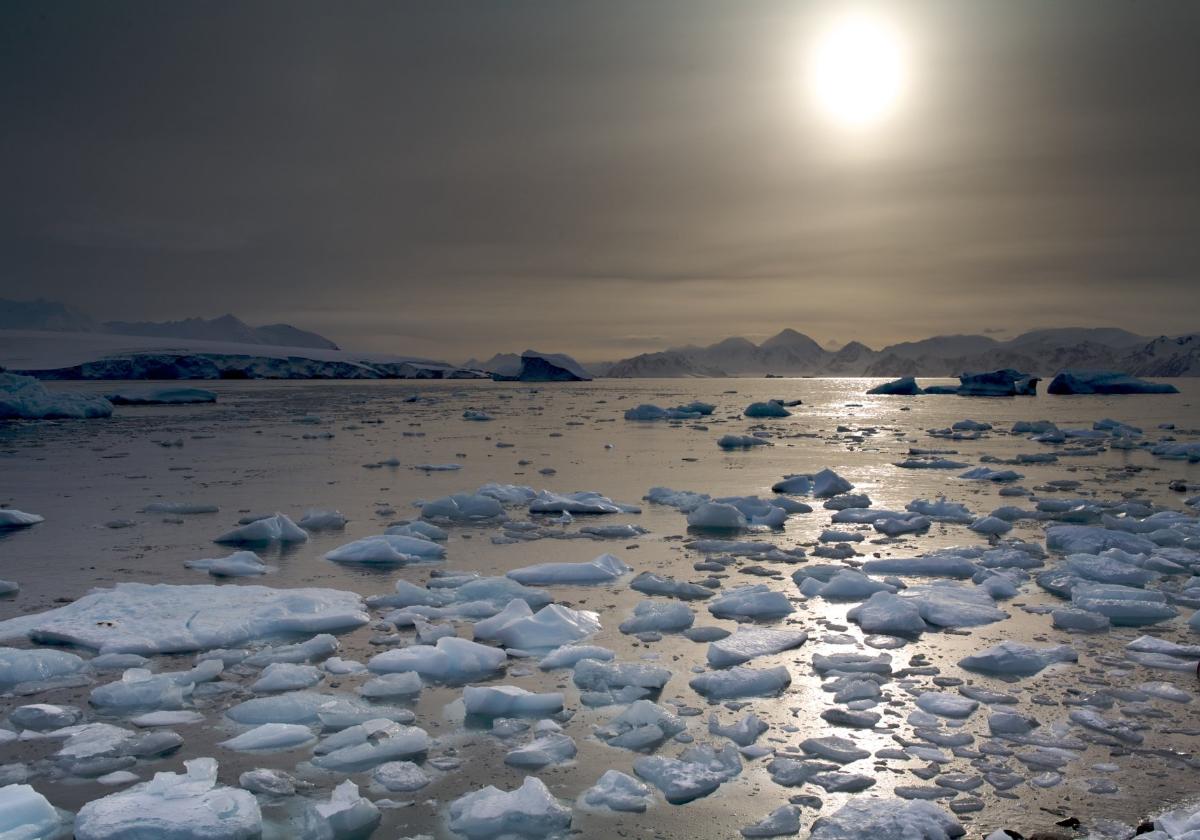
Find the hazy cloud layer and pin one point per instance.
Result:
(604, 178)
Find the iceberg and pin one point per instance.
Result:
(368, 744)
(29, 666)
(174, 806)
(827, 483)
(553, 748)
(603, 569)
(344, 815)
(1017, 659)
(741, 442)
(1105, 382)
(568, 656)
(998, 383)
(25, 398)
(26, 815)
(905, 386)
(753, 601)
(286, 676)
(554, 625)
(464, 507)
(649, 583)
(658, 617)
(887, 819)
(585, 502)
(162, 396)
(400, 776)
(238, 564)
(771, 408)
(716, 516)
(156, 618)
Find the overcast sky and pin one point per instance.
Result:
(602, 178)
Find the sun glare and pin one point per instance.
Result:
(857, 70)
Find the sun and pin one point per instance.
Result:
(857, 70)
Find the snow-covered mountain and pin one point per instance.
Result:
(45, 315)
(224, 328)
(1043, 352)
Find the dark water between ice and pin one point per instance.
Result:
(246, 454)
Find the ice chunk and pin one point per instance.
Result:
(783, 821)
(946, 605)
(716, 516)
(11, 518)
(743, 732)
(271, 737)
(941, 510)
(164, 618)
(403, 684)
(827, 483)
(552, 626)
(568, 656)
(139, 690)
(651, 584)
(286, 676)
(344, 815)
(887, 819)
(464, 507)
(1091, 539)
(400, 776)
(642, 726)
(748, 643)
(530, 812)
(23, 397)
(510, 701)
(272, 529)
(741, 682)
(697, 772)
(19, 666)
(268, 782)
(603, 569)
(554, 748)
(575, 503)
(238, 564)
(741, 442)
(753, 601)
(369, 744)
(617, 792)
(388, 549)
(771, 408)
(946, 705)
(42, 716)
(656, 616)
(1009, 657)
(26, 815)
(323, 520)
(592, 675)
(450, 660)
(186, 806)
(888, 613)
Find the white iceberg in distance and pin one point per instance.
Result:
(271, 529)
(25, 398)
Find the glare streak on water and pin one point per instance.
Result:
(247, 454)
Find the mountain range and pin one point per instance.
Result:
(1043, 352)
(59, 317)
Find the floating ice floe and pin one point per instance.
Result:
(756, 601)
(368, 744)
(27, 815)
(530, 813)
(166, 618)
(740, 681)
(741, 442)
(272, 529)
(388, 549)
(323, 520)
(568, 656)
(271, 737)
(697, 772)
(551, 748)
(642, 727)
(344, 814)
(10, 518)
(617, 791)
(576, 503)
(649, 583)
(238, 564)
(162, 396)
(1105, 382)
(25, 398)
(510, 701)
(770, 408)
(650, 412)
(173, 806)
(554, 625)
(464, 507)
(603, 569)
(751, 642)
(658, 617)
(1017, 659)
(887, 819)
(451, 660)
